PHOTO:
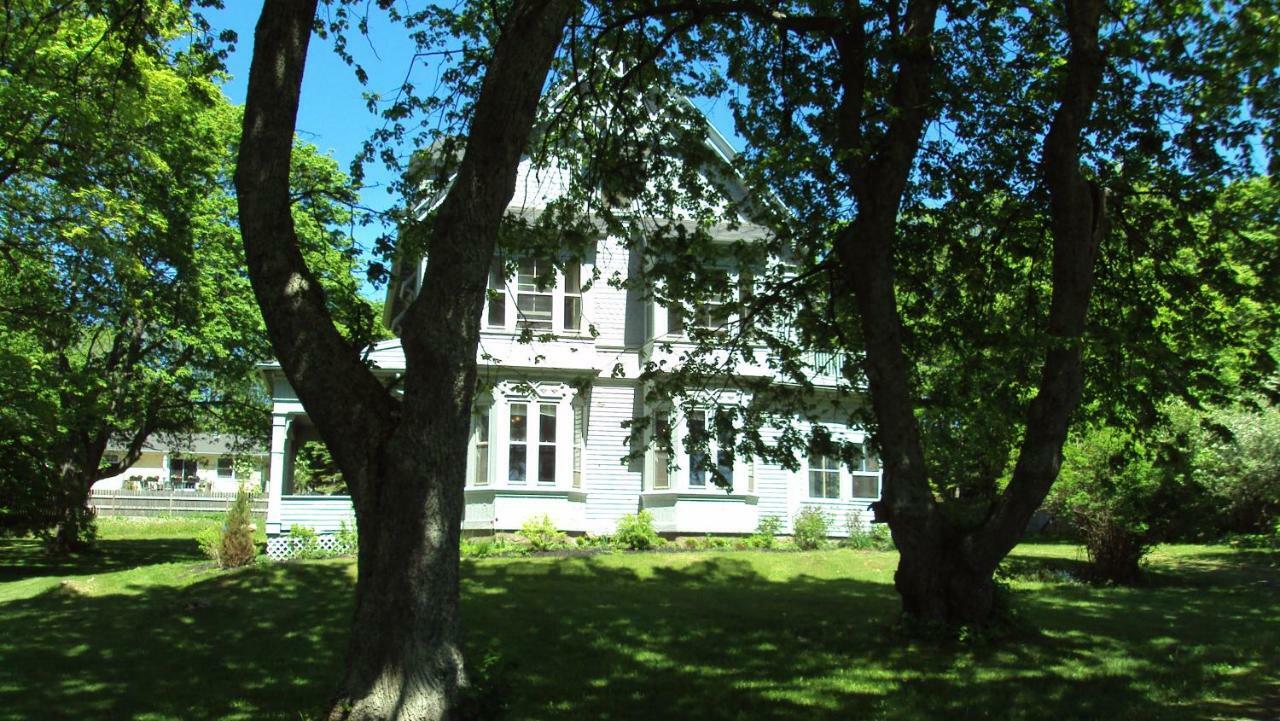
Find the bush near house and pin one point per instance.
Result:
(636, 532)
(541, 534)
(810, 528)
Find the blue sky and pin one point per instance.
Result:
(332, 114)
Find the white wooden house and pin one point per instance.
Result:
(197, 462)
(550, 434)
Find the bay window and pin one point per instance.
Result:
(546, 443)
(703, 451)
(525, 439)
(480, 465)
(518, 445)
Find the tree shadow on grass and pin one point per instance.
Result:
(26, 558)
(584, 638)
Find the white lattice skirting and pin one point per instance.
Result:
(285, 547)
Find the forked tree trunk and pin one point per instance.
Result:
(938, 584)
(403, 460)
(945, 574)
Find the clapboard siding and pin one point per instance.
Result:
(609, 304)
(613, 489)
(323, 514)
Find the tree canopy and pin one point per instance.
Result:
(126, 308)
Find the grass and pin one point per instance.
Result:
(145, 630)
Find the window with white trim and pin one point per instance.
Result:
(518, 443)
(705, 453)
(534, 299)
(715, 313)
(226, 468)
(696, 441)
(546, 443)
(480, 464)
(662, 451)
(541, 298)
(579, 440)
(824, 475)
(496, 314)
(866, 475)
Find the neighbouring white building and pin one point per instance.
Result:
(551, 418)
(201, 461)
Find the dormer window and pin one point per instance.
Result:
(542, 299)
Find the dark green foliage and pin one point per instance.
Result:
(316, 472)
(125, 311)
(877, 538)
(231, 544)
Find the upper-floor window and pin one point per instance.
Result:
(717, 312)
(541, 299)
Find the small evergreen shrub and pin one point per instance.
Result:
(766, 535)
(809, 528)
(636, 532)
(541, 534)
(231, 546)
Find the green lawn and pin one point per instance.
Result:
(145, 630)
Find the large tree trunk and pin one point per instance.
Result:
(945, 574)
(403, 461)
(73, 524)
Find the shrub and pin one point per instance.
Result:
(766, 535)
(809, 529)
(875, 538)
(603, 542)
(231, 545)
(541, 534)
(1239, 466)
(304, 542)
(348, 540)
(1108, 491)
(489, 547)
(636, 532)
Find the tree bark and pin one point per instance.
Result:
(403, 461)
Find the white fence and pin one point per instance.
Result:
(168, 503)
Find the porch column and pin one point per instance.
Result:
(275, 475)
